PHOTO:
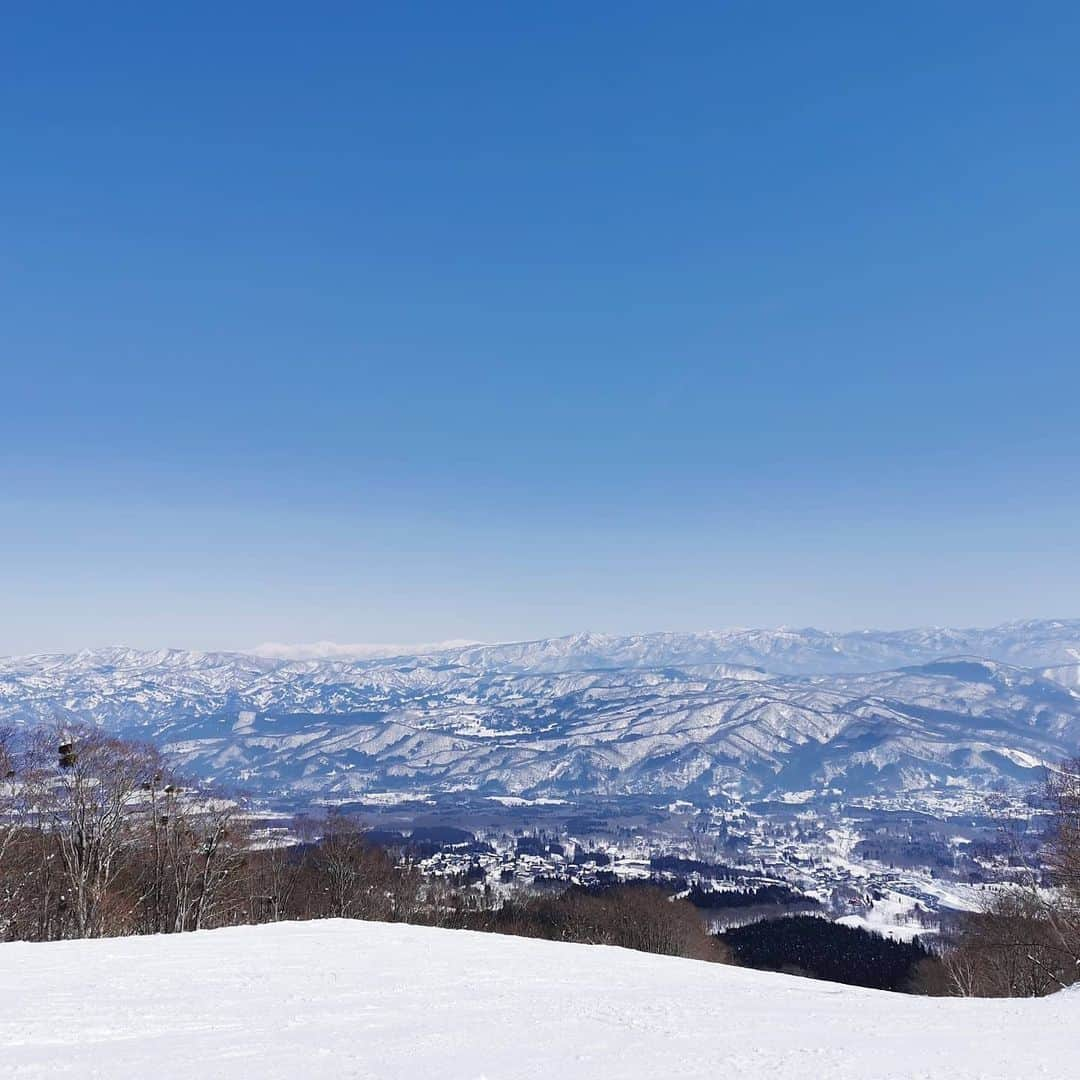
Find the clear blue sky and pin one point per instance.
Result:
(409, 321)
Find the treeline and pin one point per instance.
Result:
(758, 896)
(99, 838)
(808, 945)
(674, 864)
(638, 916)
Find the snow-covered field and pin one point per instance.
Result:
(351, 999)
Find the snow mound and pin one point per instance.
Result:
(372, 1000)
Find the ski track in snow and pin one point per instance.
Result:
(373, 1000)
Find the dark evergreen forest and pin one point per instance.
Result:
(806, 945)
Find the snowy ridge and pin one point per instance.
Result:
(649, 715)
(1031, 643)
(333, 999)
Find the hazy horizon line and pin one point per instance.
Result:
(325, 649)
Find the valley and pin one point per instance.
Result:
(918, 781)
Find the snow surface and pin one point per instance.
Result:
(367, 1000)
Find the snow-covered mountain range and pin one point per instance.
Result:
(1032, 643)
(741, 712)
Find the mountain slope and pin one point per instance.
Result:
(460, 721)
(336, 998)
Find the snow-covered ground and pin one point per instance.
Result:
(365, 1000)
(894, 916)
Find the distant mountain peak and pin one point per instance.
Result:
(332, 650)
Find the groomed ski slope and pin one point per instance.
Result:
(352, 999)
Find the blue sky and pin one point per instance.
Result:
(406, 322)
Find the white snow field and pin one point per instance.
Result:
(354, 999)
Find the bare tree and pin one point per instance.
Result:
(1010, 949)
(17, 878)
(1026, 940)
(275, 874)
(352, 879)
(1063, 850)
(191, 847)
(86, 804)
(10, 788)
(97, 836)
